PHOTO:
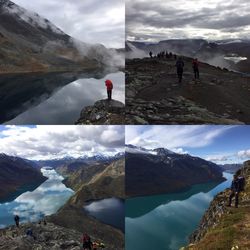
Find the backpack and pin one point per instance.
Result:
(241, 180)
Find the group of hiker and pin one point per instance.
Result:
(179, 64)
(163, 54)
(237, 186)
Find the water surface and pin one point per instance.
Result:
(54, 98)
(32, 206)
(166, 221)
(110, 211)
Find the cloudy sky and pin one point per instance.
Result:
(48, 142)
(220, 144)
(157, 20)
(91, 21)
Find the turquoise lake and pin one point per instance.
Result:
(164, 222)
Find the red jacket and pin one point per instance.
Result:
(109, 84)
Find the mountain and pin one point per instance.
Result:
(223, 227)
(154, 96)
(16, 176)
(231, 54)
(31, 43)
(231, 168)
(157, 171)
(105, 183)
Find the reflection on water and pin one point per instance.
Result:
(170, 220)
(53, 98)
(31, 206)
(110, 211)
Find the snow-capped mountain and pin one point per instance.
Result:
(165, 171)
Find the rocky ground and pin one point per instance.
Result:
(225, 227)
(47, 237)
(154, 96)
(103, 112)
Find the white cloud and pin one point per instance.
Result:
(46, 142)
(243, 154)
(91, 21)
(173, 137)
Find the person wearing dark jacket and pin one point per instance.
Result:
(17, 219)
(235, 189)
(179, 67)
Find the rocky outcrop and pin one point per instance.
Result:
(154, 96)
(165, 172)
(225, 227)
(103, 112)
(46, 237)
(17, 175)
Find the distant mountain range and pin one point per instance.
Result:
(231, 168)
(231, 54)
(160, 170)
(31, 43)
(16, 176)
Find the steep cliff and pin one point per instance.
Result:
(225, 227)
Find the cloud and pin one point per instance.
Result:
(244, 154)
(91, 21)
(173, 137)
(212, 19)
(219, 158)
(47, 142)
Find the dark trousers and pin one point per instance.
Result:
(17, 223)
(196, 73)
(109, 92)
(180, 73)
(236, 194)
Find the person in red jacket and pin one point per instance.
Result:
(195, 64)
(109, 86)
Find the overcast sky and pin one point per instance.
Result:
(48, 142)
(155, 20)
(220, 144)
(91, 21)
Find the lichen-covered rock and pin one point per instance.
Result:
(103, 112)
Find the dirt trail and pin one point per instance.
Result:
(222, 94)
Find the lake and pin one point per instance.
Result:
(109, 211)
(166, 221)
(54, 98)
(32, 206)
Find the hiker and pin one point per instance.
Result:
(195, 64)
(179, 66)
(86, 242)
(151, 54)
(109, 86)
(235, 189)
(17, 219)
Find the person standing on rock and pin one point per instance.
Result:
(17, 219)
(235, 189)
(151, 54)
(195, 64)
(179, 67)
(109, 86)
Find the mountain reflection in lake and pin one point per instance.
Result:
(110, 211)
(31, 206)
(164, 222)
(53, 98)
